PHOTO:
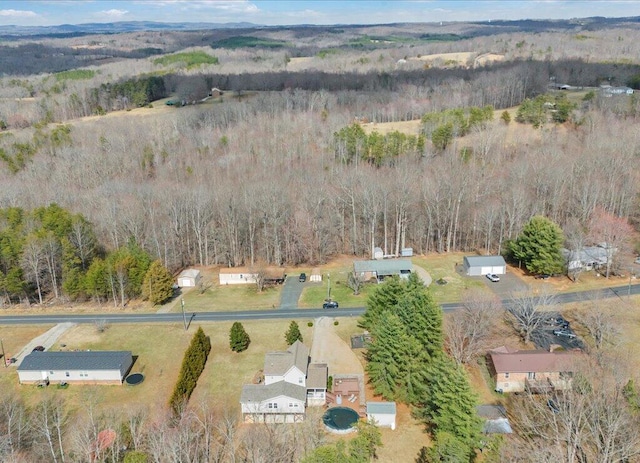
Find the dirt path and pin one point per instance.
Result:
(45, 340)
(329, 348)
(423, 274)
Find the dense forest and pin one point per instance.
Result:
(268, 173)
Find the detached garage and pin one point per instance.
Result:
(482, 265)
(189, 277)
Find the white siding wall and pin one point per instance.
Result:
(383, 420)
(186, 282)
(284, 405)
(293, 376)
(237, 278)
(56, 376)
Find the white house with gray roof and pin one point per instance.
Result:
(83, 367)
(380, 269)
(382, 414)
(291, 384)
(483, 265)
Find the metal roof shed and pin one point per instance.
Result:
(482, 265)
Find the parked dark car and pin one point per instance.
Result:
(330, 305)
(543, 276)
(302, 278)
(38, 349)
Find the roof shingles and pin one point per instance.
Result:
(76, 360)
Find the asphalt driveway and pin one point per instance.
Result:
(291, 291)
(509, 285)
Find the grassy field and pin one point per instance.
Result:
(314, 294)
(228, 298)
(159, 351)
(443, 266)
(190, 59)
(76, 74)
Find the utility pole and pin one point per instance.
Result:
(328, 286)
(4, 358)
(184, 316)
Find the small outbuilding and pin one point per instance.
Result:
(483, 265)
(383, 414)
(189, 278)
(80, 367)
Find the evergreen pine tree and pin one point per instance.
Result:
(385, 297)
(539, 246)
(422, 318)
(293, 333)
(157, 285)
(450, 403)
(238, 338)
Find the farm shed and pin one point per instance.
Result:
(80, 367)
(189, 278)
(379, 269)
(383, 414)
(482, 265)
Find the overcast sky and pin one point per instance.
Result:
(54, 12)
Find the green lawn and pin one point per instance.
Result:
(314, 294)
(443, 266)
(228, 298)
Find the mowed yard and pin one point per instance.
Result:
(158, 352)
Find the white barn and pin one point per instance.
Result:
(189, 278)
(382, 414)
(80, 367)
(483, 265)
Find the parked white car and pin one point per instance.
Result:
(493, 277)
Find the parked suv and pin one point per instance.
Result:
(302, 278)
(330, 305)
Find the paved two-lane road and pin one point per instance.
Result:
(620, 292)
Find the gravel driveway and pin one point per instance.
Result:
(329, 348)
(45, 340)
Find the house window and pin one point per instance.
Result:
(273, 405)
(506, 376)
(531, 375)
(51, 372)
(300, 380)
(66, 373)
(84, 374)
(293, 405)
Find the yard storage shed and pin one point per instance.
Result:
(368, 269)
(383, 414)
(189, 278)
(84, 367)
(483, 265)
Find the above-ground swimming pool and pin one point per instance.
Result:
(340, 419)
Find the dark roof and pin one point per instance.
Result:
(76, 360)
(485, 261)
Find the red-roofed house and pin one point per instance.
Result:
(534, 370)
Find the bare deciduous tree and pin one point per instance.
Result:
(469, 328)
(526, 312)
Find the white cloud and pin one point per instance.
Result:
(112, 14)
(17, 14)
(228, 6)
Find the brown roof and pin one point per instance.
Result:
(317, 376)
(524, 361)
(278, 363)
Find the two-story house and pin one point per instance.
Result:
(291, 384)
